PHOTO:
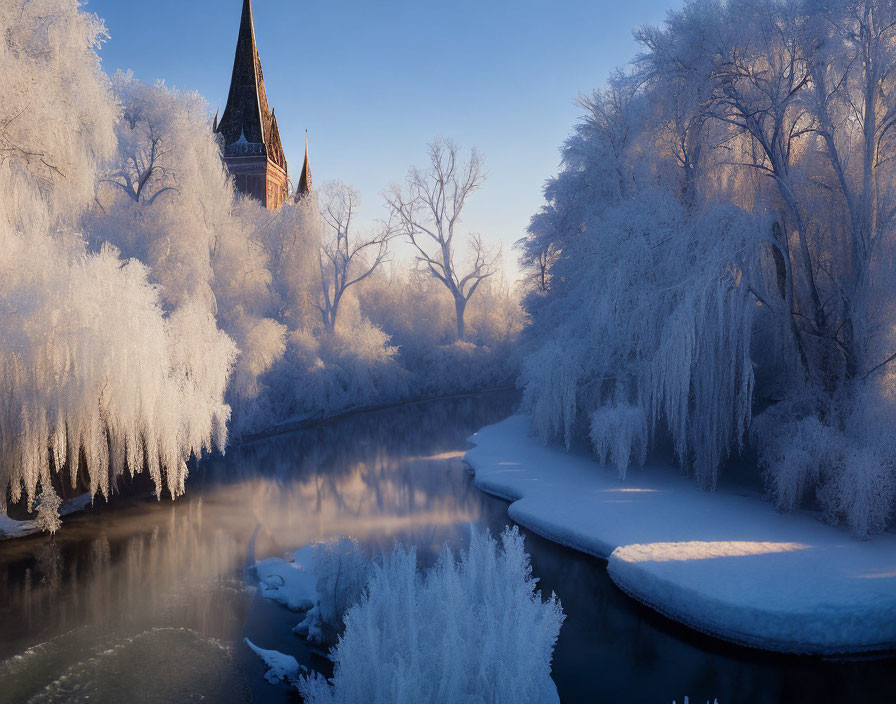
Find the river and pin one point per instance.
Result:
(141, 600)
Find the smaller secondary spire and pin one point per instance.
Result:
(304, 187)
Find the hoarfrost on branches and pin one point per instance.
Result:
(473, 628)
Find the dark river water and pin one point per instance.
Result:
(146, 601)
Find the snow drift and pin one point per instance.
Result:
(726, 564)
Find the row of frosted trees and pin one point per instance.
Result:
(719, 245)
(144, 309)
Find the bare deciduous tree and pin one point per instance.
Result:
(345, 260)
(428, 209)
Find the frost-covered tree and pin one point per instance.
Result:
(166, 198)
(722, 236)
(168, 201)
(94, 378)
(428, 208)
(288, 242)
(150, 140)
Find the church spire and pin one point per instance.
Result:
(304, 187)
(248, 125)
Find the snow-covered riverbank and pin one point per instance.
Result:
(722, 563)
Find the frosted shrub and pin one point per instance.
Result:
(460, 367)
(551, 375)
(467, 630)
(841, 451)
(325, 374)
(425, 332)
(48, 510)
(263, 342)
(619, 436)
(793, 445)
(342, 570)
(861, 488)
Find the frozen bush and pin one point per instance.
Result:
(425, 333)
(342, 570)
(320, 375)
(836, 449)
(793, 443)
(48, 510)
(467, 630)
(551, 377)
(461, 367)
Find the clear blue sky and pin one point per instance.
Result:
(373, 82)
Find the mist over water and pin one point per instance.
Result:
(146, 601)
(147, 589)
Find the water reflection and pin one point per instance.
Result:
(144, 601)
(141, 575)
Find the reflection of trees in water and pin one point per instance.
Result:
(371, 476)
(164, 563)
(138, 564)
(156, 566)
(609, 644)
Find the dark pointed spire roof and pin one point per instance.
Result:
(248, 125)
(304, 187)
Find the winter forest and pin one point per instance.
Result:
(256, 427)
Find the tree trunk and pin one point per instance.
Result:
(460, 306)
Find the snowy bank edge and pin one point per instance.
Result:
(626, 581)
(491, 476)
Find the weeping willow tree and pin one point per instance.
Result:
(94, 376)
(721, 239)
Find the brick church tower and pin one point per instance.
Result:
(252, 149)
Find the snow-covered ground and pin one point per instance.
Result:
(281, 667)
(723, 563)
(11, 528)
(291, 582)
(321, 579)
